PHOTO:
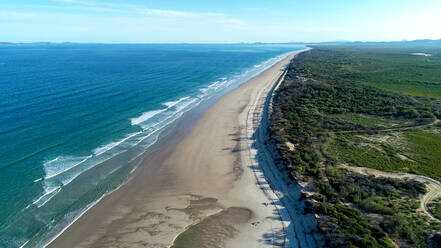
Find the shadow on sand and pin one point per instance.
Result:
(300, 227)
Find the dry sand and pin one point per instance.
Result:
(204, 191)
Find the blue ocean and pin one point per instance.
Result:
(75, 117)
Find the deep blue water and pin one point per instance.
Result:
(73, 118)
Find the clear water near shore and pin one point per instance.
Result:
(74, 118)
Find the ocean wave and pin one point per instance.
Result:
(145, 116)
(69, 182)
(62, 164)
(183, 106)
(150, 114)
(244, 76)
(62, 170)
(153, 129)
(172, 104)
(215, 86)
(47, 196)
(102, 149)
(25, 243)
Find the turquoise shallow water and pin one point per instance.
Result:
(74, 117)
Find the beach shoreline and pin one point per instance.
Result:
(201, 173)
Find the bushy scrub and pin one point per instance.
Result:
(331, 104)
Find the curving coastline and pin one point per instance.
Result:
(204, 174)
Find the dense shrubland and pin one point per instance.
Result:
(331, 104)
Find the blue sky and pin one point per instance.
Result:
(164, 21)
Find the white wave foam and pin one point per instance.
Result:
(185, 105)
(148, 135)
(172, 104)
(62, 164)
(145, 116)
(52, 169)
(68, 179)
(23, 245)
(204, 90)
(224, 82)
(214, 86)
(48, 194)
(62, 171)
(150, 114)
(179, 111)
(53, 160)
(102, 149)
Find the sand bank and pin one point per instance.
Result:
(206, 187)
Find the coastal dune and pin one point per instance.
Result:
(203, 188)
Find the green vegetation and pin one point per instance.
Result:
(426, 148)
(364, 107)
(420, 152)
(377, 156)
(369, 121)
(435, 208)
(356, 228)
(346, 192)
(392, 69)
(309, 110)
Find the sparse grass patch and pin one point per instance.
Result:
(426, 147)
(371, 121)
(342, 148)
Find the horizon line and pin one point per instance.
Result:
(206, 43)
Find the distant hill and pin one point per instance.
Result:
(24, 43)
(414, 44)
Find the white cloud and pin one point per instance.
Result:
(176, 13)
(164, 12)
(210, 17)
(138, 9)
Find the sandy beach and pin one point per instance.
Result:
(206, 187)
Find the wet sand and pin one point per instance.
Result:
(196, 189)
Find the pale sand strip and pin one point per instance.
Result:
(299, 228)
(212, 170)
